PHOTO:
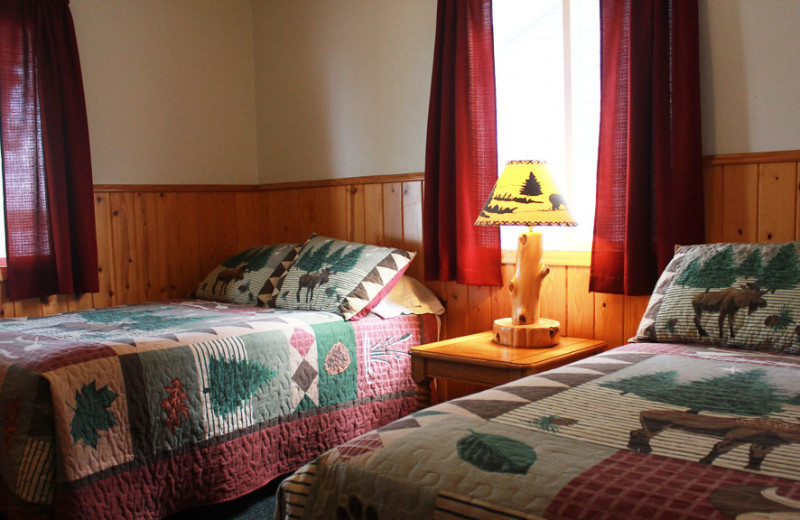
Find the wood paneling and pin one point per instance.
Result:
(712, 190)
(105, 251)
(776, 192)
(157, 242)
(740, 203)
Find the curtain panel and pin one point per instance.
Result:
(47, 175)
(461, 151)
(649, 175)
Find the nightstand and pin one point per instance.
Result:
(477, 359)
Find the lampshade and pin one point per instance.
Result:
(525, 195)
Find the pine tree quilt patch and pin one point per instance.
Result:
(99, 408)
(689, 408)
(738, 295)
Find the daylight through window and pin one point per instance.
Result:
(547, 67)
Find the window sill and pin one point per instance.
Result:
(565, 258)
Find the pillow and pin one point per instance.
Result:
(339, 276)
(733, 295)
(409, 296)
(240, 278)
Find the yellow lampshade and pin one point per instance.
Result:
(526, 195)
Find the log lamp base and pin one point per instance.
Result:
(544, 333)
(524, 328)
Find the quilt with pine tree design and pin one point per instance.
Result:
(643, 431)
(139, 411)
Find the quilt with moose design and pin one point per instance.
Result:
(643, 431)
(139, 411)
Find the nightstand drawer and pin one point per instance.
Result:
(477, 359)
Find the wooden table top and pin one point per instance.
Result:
(480, 349)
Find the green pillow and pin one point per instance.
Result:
(732, 295)
(337, 276)
(240, 278)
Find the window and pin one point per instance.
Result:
(547, 68)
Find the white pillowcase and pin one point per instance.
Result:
(409, 296)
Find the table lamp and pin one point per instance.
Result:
(525, 195)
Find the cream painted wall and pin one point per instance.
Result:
(750, 75)
(170, 90)
(342, 86)
(245, 91)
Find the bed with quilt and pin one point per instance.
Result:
(697, 418)
(143, 410)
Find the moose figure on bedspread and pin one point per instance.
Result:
(727, 302)
(231, 276)
(224, 278)
(734, 408)
(311, 280)
(762, 433)
(320, 265)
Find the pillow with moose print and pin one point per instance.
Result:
(339, 276)
(733, 295)
(240, 278)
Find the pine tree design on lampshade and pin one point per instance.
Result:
(531, 188)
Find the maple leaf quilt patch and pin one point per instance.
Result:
(92, 413)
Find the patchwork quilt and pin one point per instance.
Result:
(643, 431)
(139, 411)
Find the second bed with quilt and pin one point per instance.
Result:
(698, 419)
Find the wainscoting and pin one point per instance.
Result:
(157, 242)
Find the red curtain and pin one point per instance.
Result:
(461, 152)
(47, 174)
(649, 176)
